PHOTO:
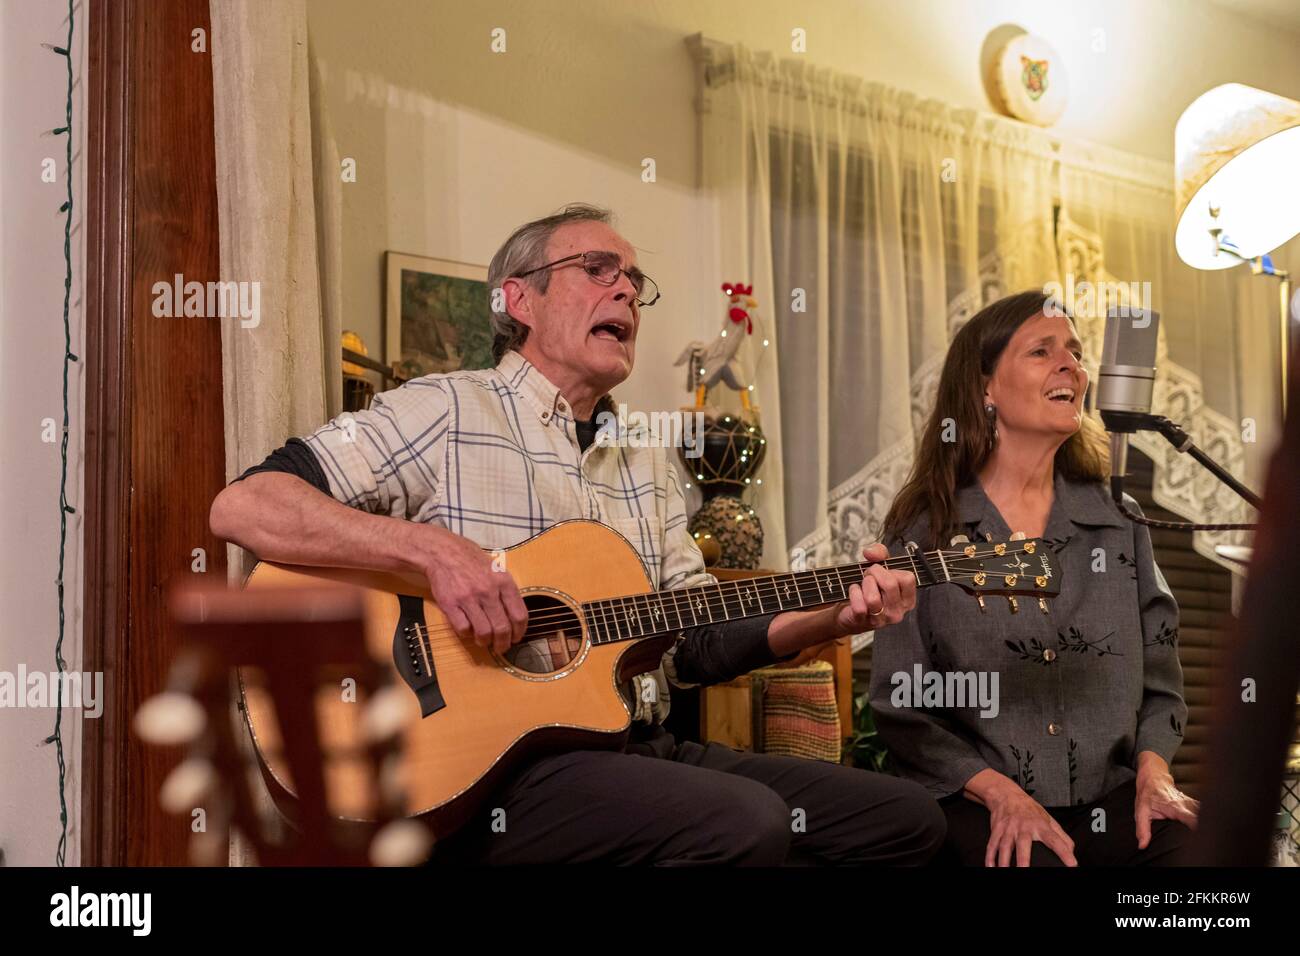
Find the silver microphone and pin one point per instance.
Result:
(1126, 380)
(1125, 387)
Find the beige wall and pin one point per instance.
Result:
(455, 144)
(32, 93)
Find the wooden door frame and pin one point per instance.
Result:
(154, 452)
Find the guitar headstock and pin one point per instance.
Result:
(1021, 567)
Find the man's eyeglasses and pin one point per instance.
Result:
(605, 268)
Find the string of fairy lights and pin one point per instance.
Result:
(65, 509)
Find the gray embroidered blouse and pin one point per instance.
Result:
(1076, 693)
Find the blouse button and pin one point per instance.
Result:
(1049, 655)
(1054, 729)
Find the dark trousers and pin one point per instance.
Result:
(968, 834)
(700, 804)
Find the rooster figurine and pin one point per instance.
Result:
(711, 362)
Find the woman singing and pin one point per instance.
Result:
(1071, 765)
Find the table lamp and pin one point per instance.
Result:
(1236, 159)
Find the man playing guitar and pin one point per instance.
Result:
(449, 465)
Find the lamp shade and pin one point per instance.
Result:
(1237, 151)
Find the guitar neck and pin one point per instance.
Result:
(660, 612)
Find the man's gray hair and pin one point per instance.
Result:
(525, 250)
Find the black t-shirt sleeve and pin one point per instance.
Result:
(294, 458)
(719, 652)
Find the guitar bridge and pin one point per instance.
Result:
(413, 655)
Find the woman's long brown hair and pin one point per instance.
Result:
(943, 467)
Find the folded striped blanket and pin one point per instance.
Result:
(795, 713)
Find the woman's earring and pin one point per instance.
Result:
(991, 413)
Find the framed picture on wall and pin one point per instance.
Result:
(436, 315)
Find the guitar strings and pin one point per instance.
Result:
(621, 616)
(442, 638)
(769, 581)
(437, 637)
(439, 641)
(763, 587)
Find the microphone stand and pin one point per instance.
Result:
(1122, 424)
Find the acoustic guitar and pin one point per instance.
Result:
(471, 715)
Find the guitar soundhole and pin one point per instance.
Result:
(553, 638)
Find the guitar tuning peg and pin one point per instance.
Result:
(1018, 536)
(988, 537)
(1015, 605)
(959, 539)
(385, 715)
(401, 843)
(980, 598)
(912, 547)
(1042, 605)
(170, 718)
(187, 785)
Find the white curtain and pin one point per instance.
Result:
(281, 377)
(894, 219)
(873, 224)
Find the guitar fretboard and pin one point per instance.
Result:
(660, 612)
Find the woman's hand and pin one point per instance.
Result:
(1016, 820)
(1158, 798)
